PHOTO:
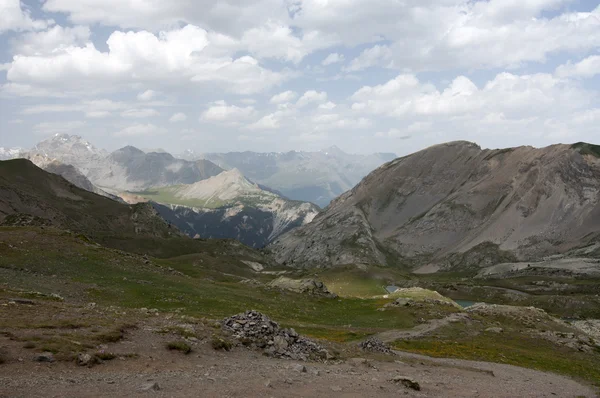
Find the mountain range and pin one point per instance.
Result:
(228, 206)
(197, 196)
(32, 196)
(316, 177)
(455, 205)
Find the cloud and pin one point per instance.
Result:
(333, 58)
(327, 106)
(286, 96)
(140, 130)
(232, 18)
(139, 113)
(54, 40)
(219, 111)
(146, 95)
(178, 117)
(586, 68)
(446, 34)
(173, 57)
(14, 17)
(47, 128)
(311, 96)
(272, 121)
(378, 55)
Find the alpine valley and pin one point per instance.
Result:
(454, 263)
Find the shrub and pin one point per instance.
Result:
(179, 346)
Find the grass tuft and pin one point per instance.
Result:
(179, 346)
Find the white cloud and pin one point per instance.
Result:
(139, 113)
(333, 58)
(47, 128)
(588, 67)
(286, 96)
(268, 122)
(327, 106)
(232, 18)
(375, 56)
(146, 95)
(311, 96)
(173, 57)
(219, 111)
(14, 17)
(140, 130)
(54, 40)
(178, 117)
(428, 35)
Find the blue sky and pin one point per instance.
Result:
(276, 75)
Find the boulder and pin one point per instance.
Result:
(407, 382)
(309, 286)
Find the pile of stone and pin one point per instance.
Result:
(257, 331)
(373, 344)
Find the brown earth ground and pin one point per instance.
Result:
(143, 366)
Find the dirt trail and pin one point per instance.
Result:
(421, 330)
(244, 373)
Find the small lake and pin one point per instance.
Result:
(465, 303)
(391, 289)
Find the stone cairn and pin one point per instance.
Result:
(257, 331)
(373, 344)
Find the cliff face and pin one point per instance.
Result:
(453, 198)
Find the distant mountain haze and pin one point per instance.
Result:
(316, 177)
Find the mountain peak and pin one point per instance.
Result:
(333, 150)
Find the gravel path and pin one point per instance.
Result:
(243, 373)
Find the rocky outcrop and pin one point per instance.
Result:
(308, 286)
(457, 206)
(257, 331)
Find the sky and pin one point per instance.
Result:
(277, 75)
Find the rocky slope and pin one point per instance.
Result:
(32, 196)
(456, 205)
(69, 173)
(316, 177)
(228, 206)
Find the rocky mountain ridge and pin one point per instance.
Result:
(228, 206)
(456, 205)
(127, 168)
(316, 177)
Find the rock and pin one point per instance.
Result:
(150, 387)
(494, 330)
(45, 357)
(310, 286)
(268, 384)
(407, 382)
(403, 302)
(257, 331)
(336, 388)
(373, 344)
(280, 343)
(299, 368)
(84, 360)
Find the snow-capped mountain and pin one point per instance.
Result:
(10, 153)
